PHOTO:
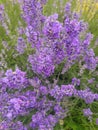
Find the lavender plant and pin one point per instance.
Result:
(60, 71)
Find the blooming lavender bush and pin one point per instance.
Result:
(59, 71)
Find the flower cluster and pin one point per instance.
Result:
(60, 42)
(59, 92)
(87, 95)
(41, 61)
(18, 103)
(40, 99)
(14, 80)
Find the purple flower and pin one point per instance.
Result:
(43, 90)
(87, 40)
(41, 121)
(90, 81)
(12, 125)
(21, 45)
(33, 37)
(37, 119)
(16, 107)
(56, 93)
(73, 27)
(59, 92)
(43, 1)
(67, 90)
(76, 81)
(52, 28)
(97, 121)
(35, 82)
(90, 60)
(87, 112)
(15, 80)
(67, 11)
(59, 53)
(32, 14)
(41, 62)
(3, 125)
(87, 95)
(1, 12)
(59, 111)
(52, 120)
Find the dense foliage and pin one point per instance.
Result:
(59, 69)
